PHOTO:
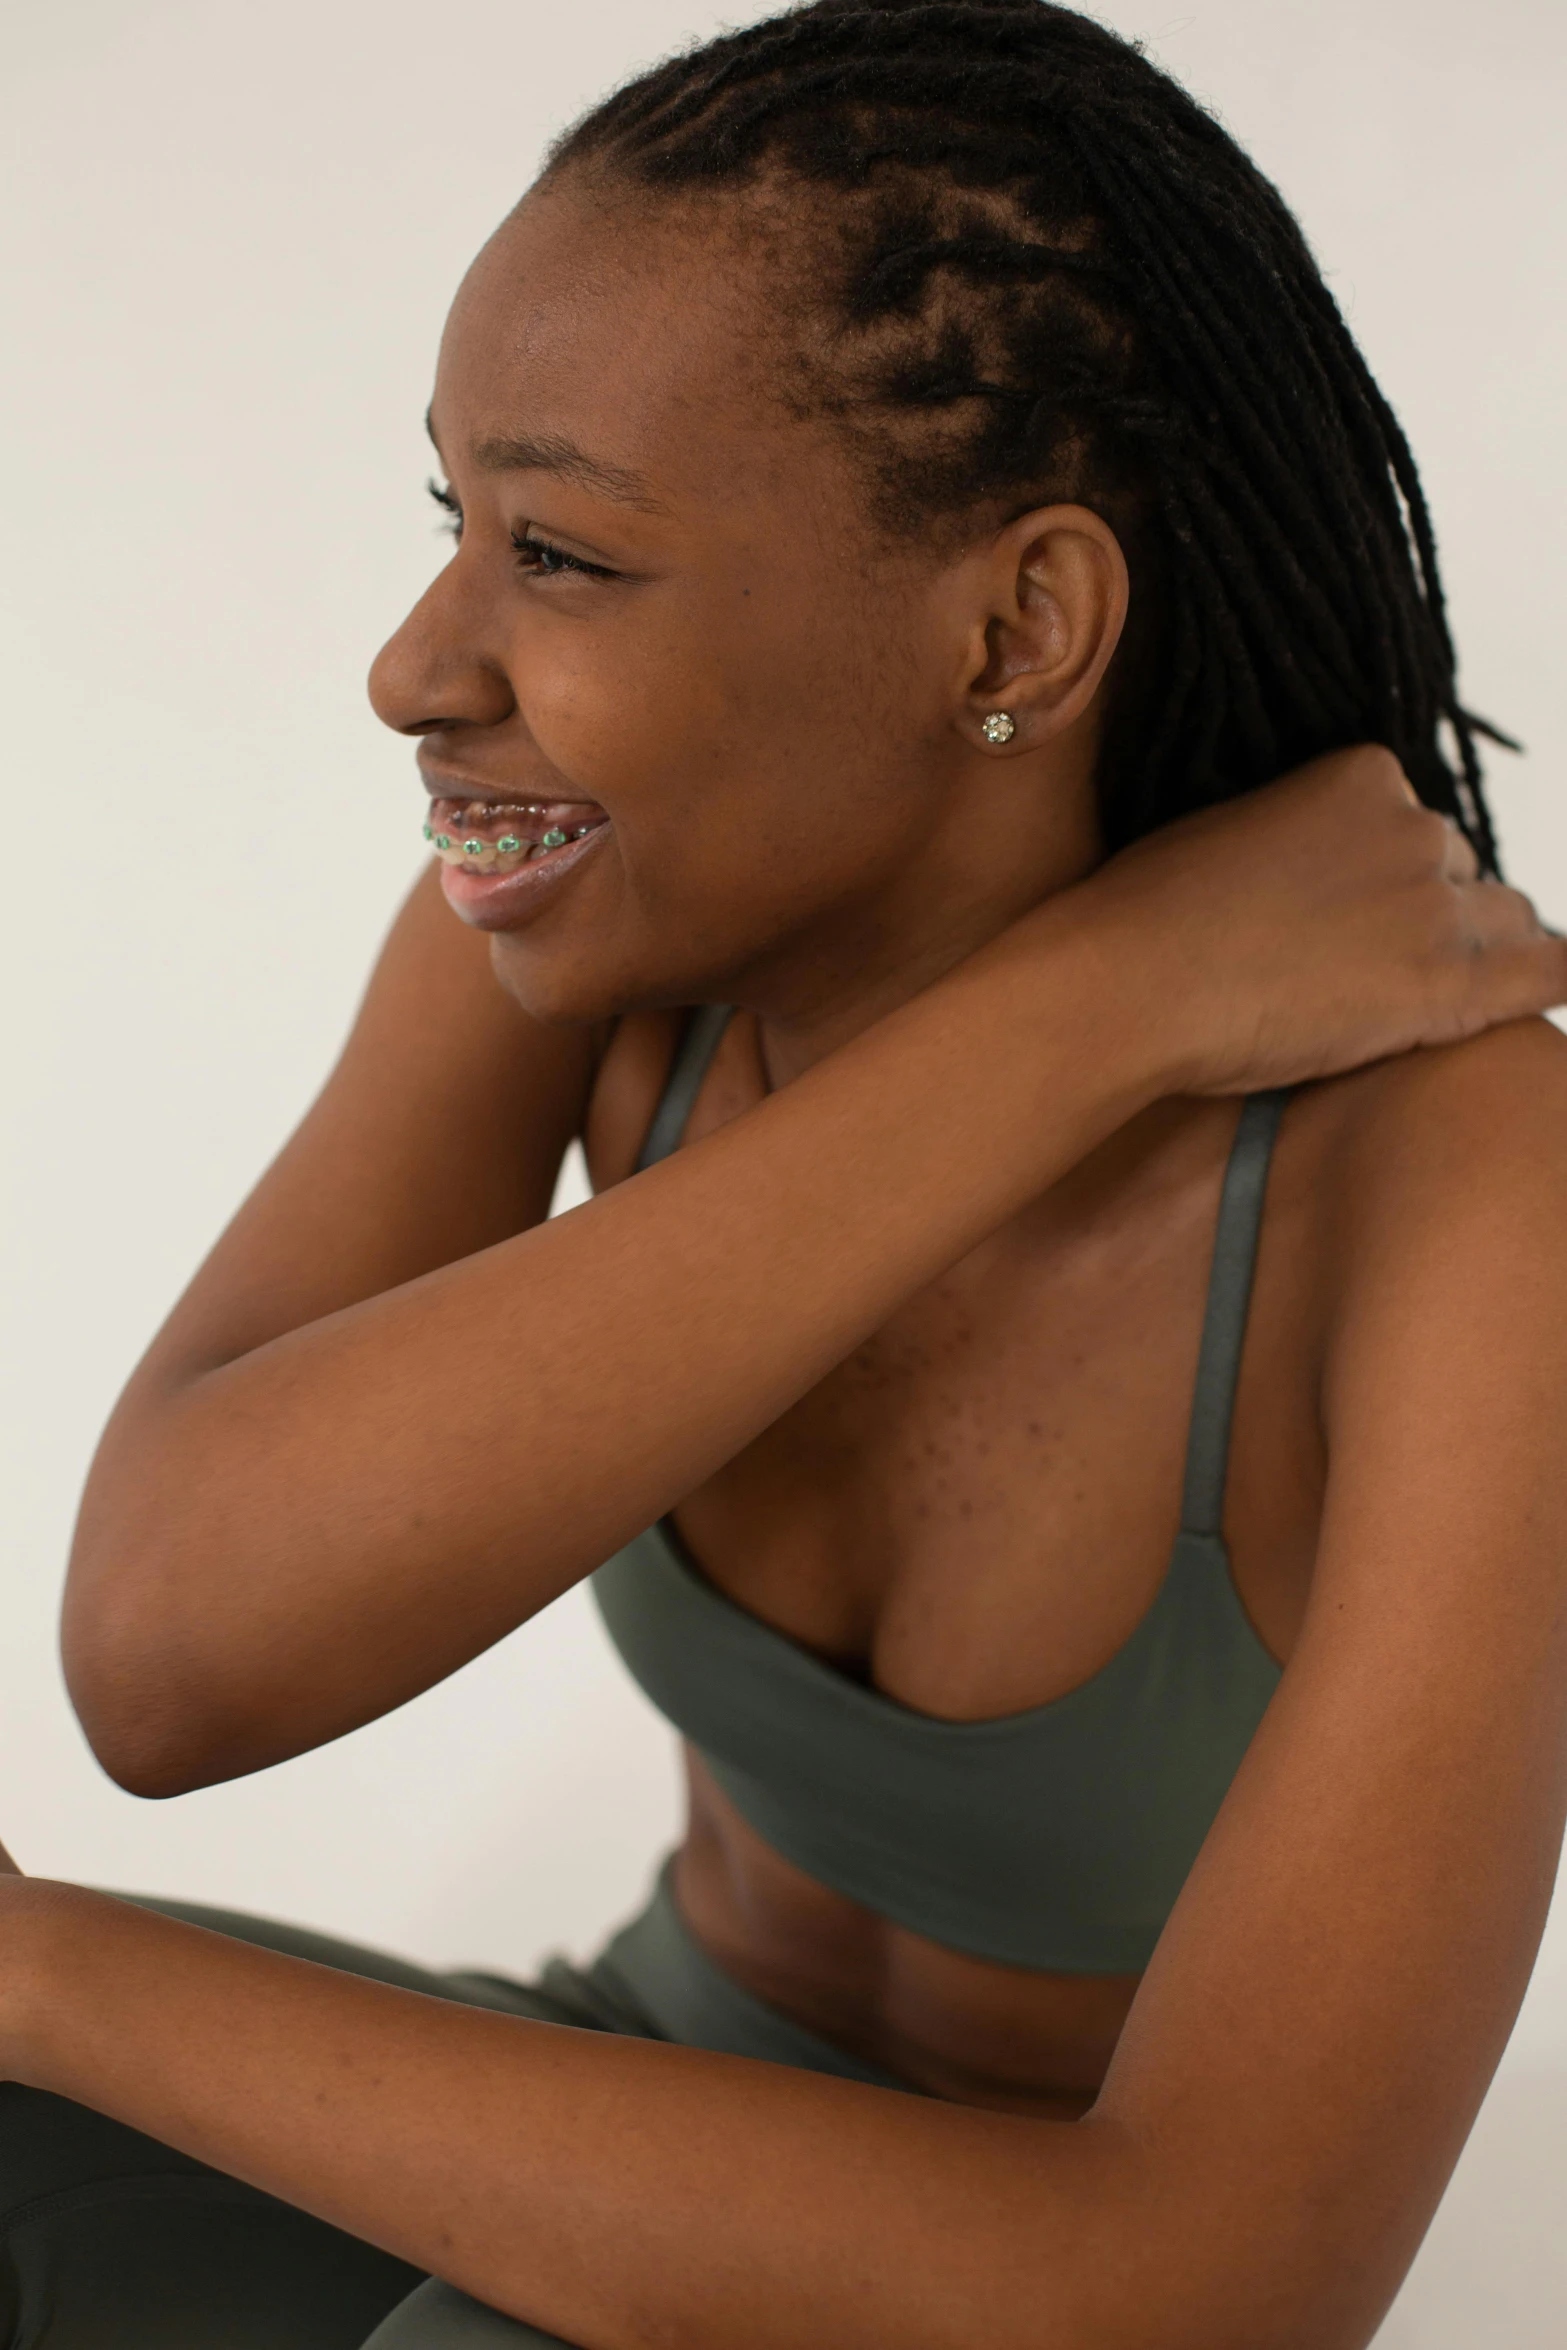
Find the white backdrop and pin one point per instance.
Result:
(232, 233)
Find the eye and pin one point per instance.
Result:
(540, 559)
(448, 505)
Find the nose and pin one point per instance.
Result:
(433, 673)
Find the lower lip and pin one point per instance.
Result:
(507, 901)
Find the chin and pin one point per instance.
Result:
(561, 989)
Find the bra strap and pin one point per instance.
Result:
(1224, 1325)
(693, 1057)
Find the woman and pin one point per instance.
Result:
(904, 458)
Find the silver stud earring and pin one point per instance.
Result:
(999, 727)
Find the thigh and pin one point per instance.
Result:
(438, 2317)
(348, 1958)
(109, 2241)
(560, 1994)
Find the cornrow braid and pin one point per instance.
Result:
(1051, 273)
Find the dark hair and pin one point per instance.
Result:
(1048, 270)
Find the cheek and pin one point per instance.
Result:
(756, 790)
(843, 754)
(715, 714)
(624, 707)
(759, 774)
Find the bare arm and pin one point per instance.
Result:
(1310, 2044)
(341, 1474)
(439, 1134)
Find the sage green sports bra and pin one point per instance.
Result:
(1054, 1839)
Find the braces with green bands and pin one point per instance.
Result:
(508, 842)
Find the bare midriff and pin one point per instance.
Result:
(955, 2026)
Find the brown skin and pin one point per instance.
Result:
(906, 1333)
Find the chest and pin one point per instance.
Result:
(974, 1511)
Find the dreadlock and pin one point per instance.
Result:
(1050, 271)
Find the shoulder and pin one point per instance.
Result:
(1435, 1193)
(1469, 1137)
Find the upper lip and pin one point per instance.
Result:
(444, 784)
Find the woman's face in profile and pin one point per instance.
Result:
(671, 624)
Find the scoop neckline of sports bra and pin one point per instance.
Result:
(877, 1701)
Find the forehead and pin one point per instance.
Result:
(642, 334)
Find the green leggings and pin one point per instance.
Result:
(109, 2241)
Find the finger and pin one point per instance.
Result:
(1497, 921)
(8, 1867)
(1459, 862)
(1516, 965)
(1534, 979)
(1496, 916)
(1370, 768)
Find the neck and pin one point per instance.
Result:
(865, 959)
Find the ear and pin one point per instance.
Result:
(1050, 600)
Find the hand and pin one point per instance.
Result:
(8, 1867)
(1323, 922)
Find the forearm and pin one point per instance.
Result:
(398, 1485)
(285, 1546)
(611, 2191)
(439, 1132)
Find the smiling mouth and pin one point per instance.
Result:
(496, 836)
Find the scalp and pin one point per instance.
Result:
(1040, 271)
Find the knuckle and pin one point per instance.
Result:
(1376, 771)
(1434, 835)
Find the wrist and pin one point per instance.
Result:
(1108, 981)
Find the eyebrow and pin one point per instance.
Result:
(554, 453)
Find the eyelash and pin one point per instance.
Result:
(554, 563)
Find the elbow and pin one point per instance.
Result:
(140, 1740)
(147, 1768)
(138, 1701)
(139, 1756)
(1192, 2260)
(147, 1668)
(146, 1745)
